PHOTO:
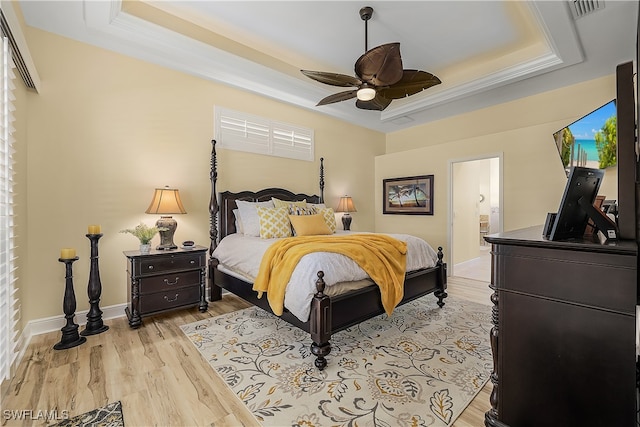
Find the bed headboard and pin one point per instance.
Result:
(227, 202)
(221, 206)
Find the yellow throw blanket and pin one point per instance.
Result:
(382, 257)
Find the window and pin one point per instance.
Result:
(8, 301)
(235, 130)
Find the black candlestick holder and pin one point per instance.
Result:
(70, 336)
(94, 290)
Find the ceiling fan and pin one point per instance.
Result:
(381, 78)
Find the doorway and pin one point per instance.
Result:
(475, 211)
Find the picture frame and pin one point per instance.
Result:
(412, 195)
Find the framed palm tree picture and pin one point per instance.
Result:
(411, 195)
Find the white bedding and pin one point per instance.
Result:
(240, 256)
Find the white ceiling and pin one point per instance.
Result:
(485, 52)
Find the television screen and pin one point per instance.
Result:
(589, 141)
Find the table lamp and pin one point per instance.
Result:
(166, 201)
(346, 205)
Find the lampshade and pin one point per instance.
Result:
(346, 205)
(166, 201)
(366, 93)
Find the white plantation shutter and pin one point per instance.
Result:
(235, 130)
(293, 142)
(8, 302)
(242, 132)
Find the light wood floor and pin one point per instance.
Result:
(477, 268)
(156, 373)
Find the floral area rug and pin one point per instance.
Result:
(107, 416)
(420, 367)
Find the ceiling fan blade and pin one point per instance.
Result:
(378, 103)
(337, 97)
(380, 66)
(412, 82)
(332, 78)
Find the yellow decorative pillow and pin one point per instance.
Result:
(286, 203)
(329, 217)
(309, 225)
(274, 222)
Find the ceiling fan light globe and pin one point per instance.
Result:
(366, 93)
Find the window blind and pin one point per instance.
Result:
(235, 130)
(9, 311)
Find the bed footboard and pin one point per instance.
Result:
(330, 315)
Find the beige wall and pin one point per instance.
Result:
(533, 177)
(466, 209)
(106, 129)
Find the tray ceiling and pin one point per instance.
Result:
(485, 52)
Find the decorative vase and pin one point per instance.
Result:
(145, 248)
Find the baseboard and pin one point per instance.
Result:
(55, 323)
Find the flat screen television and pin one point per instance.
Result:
(576, 207)
(589, 141)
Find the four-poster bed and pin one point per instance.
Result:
(328, 314)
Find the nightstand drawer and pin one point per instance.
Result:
(153, 265)
(166, 282)
(169, 299)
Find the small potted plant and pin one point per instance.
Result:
(144, 234)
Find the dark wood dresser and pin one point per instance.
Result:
(165, 280)
(564, 335)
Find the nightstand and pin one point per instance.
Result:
(165, 280)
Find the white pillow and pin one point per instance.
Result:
(236, 215)
(249, 216)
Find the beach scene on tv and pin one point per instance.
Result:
(590, 141)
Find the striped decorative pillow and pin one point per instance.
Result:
(301, 210)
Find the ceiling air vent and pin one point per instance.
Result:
(580, 8)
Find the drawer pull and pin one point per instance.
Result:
(175, 282)
(171, 300)
(151, 267)
(192, 261)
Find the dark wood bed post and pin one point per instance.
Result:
(320, 324)
(441, 292)
(321, 183)
(215, 291)
(320, 317)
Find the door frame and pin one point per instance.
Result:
(500, 157)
